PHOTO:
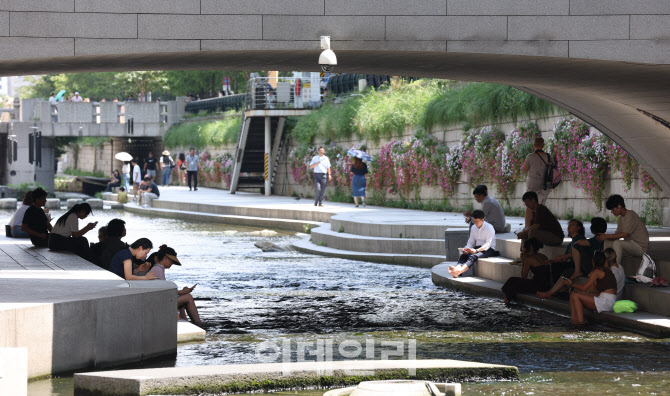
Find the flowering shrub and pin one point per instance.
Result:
(484, 155)
(217, 168)
(620, 161)
(479, 153)
(647, 183)
(511, 155)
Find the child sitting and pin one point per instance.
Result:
(123, 195)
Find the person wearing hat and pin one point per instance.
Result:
(76, 97)
(166, 164)
(164, 259)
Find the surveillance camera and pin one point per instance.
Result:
(327, 59)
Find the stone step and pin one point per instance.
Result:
(655, 300)
(414, 260)
(249, 221)
(640, 321)
(386, 230)
(250, 211)
(345, 241)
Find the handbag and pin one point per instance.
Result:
(182, 166)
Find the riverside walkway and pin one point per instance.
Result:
(406, 237)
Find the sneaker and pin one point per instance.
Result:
(316, 203)
(656, 282)
(195, 189)
(663, 282)
(356, 205)
(320, 204)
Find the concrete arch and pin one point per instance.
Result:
(604, 61)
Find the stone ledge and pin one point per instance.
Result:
(273, 376)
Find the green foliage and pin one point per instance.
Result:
(204, 133)
(205, 83)
(341, 230)
(98, 195)
(340, 194)
(479, 104)
(514, 212)
(78, 172)
(652, 212)
(23, 188)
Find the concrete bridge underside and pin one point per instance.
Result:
(605, 61)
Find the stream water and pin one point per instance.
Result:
(261, 306)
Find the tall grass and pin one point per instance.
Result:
(478, 104)
(204, 133)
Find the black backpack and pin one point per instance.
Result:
(552, 176)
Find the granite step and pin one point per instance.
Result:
(415, 260)
(346, 241)
(387, 230)
(654, 300)
(641, 321)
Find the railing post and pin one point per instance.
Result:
(268, 148)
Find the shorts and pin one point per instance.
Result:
(604, 302)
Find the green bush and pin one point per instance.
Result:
(78, 172)
(204, 133)
(478, 104)
(23, 188)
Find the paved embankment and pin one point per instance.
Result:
(70, 315)
(280, 376)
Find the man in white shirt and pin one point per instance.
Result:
(137, 177)
(321, 165)
(52, 98)
(481, 244)
(492, 209)
(76, 97)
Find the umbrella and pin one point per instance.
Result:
(360, 154)
(123, 156)
(60, 94)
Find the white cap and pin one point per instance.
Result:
(76, 93)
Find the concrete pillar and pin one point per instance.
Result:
(268, 150)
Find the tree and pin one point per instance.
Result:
(39, 87)
(141, 82)
(204, 83)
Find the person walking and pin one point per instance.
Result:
(535, 166)
(137, 177)
(166, 165)
(321, 165)
(150, 166)
(125, 169)
(181, 169)
(358, 184)
(192, 169)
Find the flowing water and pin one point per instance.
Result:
(264, 307)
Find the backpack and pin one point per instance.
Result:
(646, 272)
(182, 166)
(552, 177)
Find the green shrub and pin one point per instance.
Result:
(79, 172)
(204, 133)
(23, 188)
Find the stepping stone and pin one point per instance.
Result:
(73, 201)
(52, 203)
(8, 203)
(95, 203)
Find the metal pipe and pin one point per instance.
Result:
(268, 148)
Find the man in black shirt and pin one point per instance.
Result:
(35, 221)
(150, 166)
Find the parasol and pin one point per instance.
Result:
(60, 94)
(123, 156)
(360, 154)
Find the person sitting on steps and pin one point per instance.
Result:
(604, 297)
(536, 263)
(564, 265)
(492, 209)
(543, 224)
(481, 244)
(582, 251)
(631, 236)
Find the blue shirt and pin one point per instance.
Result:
(192, 162)
(116, 265)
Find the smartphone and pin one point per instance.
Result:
(193, 287)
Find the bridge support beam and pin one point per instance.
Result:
(268, 153)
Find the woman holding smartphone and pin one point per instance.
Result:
(164, 259)
(605, 282)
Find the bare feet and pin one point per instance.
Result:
(453, 272)
(543, 295)
(506, 301)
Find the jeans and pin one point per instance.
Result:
(17, 233)
(126, 181)
(194, 175)
(320, 181)
(165, 174)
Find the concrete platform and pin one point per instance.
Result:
(188, 332)
(280, 376)
(70, 314)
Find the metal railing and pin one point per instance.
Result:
(220, 104)
(268, 93)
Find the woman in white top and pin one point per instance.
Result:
(125, 169)
(16, 220)
(66, 234)
(617, 270)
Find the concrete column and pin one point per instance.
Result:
(268, 150)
